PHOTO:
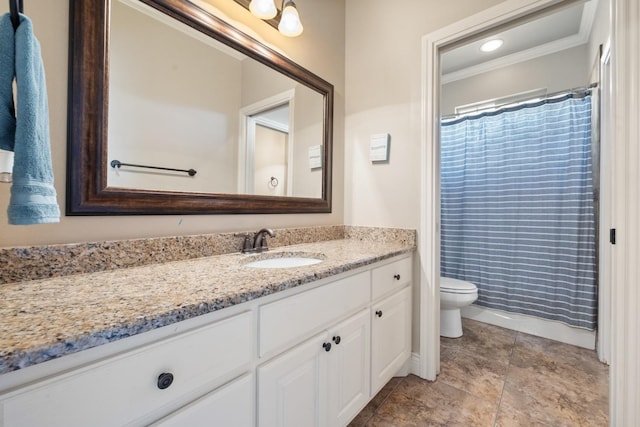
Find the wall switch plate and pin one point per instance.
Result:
(315, 157)
(379, 147)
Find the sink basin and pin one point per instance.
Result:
(284, 261)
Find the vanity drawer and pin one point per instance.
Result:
(230, 405)
(290, 320)
(390, 277)
(124, 388)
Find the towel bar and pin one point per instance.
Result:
(118, 164)
(15, 7)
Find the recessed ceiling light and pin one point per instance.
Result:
(491, 45)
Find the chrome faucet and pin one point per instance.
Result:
(259, 241)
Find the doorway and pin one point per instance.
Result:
(265, 146)
(270, 159)
(505, 15)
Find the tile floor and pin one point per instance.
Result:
(496, 377)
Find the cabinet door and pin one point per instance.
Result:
(390, 338)
(230, 405)
(349, 363)
(292, 387)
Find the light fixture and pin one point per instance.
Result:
(290, 24)
(263, 9)
(491, 45)
(286, 20)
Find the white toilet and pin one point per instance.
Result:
(454, 294)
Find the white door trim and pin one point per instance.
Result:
(607, 186)
(625, 292)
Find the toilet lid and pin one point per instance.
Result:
(457, 286)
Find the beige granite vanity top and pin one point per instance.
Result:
(44, 319)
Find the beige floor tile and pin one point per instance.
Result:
(547, 403)
(510, 418)
(481, 338)
(474, 373)
(557, 383)
(421, 403)
(494, 377)
(365, 415)
(554, 356)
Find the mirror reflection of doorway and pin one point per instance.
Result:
(268, 152)
(266, 147)
(270, 161)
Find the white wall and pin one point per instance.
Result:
(600, 30)
(320, 49)
(555, 72)
(384, 88)
(383, 77)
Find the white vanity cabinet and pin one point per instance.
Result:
(310, 356)
(326, 380)
(390, 320)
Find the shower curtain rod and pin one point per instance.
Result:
(575, 91)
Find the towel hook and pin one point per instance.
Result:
(16, 7)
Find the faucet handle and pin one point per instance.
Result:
(262, 243)
(246, 243)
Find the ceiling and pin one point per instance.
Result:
(566, 28)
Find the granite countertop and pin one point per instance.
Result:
(44, 319)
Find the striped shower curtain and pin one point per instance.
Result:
(517, 214)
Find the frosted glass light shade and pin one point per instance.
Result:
(263, 9)
(290, 24)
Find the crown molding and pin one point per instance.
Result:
(578, 39)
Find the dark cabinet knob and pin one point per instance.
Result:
(396, 276)
(326, 346)
(165, 380)
(337, 339)
(379, 313)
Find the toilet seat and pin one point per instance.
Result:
(456, 286)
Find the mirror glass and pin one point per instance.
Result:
(178, 100)
(198, 110)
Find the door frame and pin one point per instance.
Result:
(246, 137)
(605, 270)
(252, 123)
(429, 243)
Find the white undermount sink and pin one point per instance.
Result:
(284, 261)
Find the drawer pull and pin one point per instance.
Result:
(396, 276)
(326, 346)
(165, 380)
(379, 313)
(337, 339)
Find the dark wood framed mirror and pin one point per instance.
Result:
(89, 162)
